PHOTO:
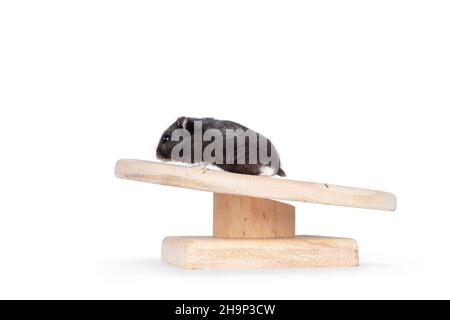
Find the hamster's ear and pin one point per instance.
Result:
(185, 123)
(181, 122)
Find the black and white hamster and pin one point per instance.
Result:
(231, 138)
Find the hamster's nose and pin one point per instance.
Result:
(160, 155)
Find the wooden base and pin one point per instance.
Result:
(256, 233)
(301, 251)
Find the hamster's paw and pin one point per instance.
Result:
(267, 171)
(205, 167)
(211, 167)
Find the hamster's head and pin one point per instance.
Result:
(166, 144)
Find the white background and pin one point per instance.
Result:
(351, 92)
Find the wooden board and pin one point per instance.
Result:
(253, 186)
(302, 251)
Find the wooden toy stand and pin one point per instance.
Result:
(250, 230)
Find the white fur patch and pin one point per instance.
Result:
(213, 167)
(267, 171)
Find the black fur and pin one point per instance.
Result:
(165, 146)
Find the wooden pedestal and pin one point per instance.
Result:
(253, 232)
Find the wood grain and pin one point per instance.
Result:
(302, 251)
(253, 186)
(241, 217)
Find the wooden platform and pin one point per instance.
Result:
(254, 186)
(250, 229)
(301, 251)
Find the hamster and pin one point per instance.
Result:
(232, 140)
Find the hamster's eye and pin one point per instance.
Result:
(165, 138)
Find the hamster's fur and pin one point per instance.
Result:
(166, 145)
